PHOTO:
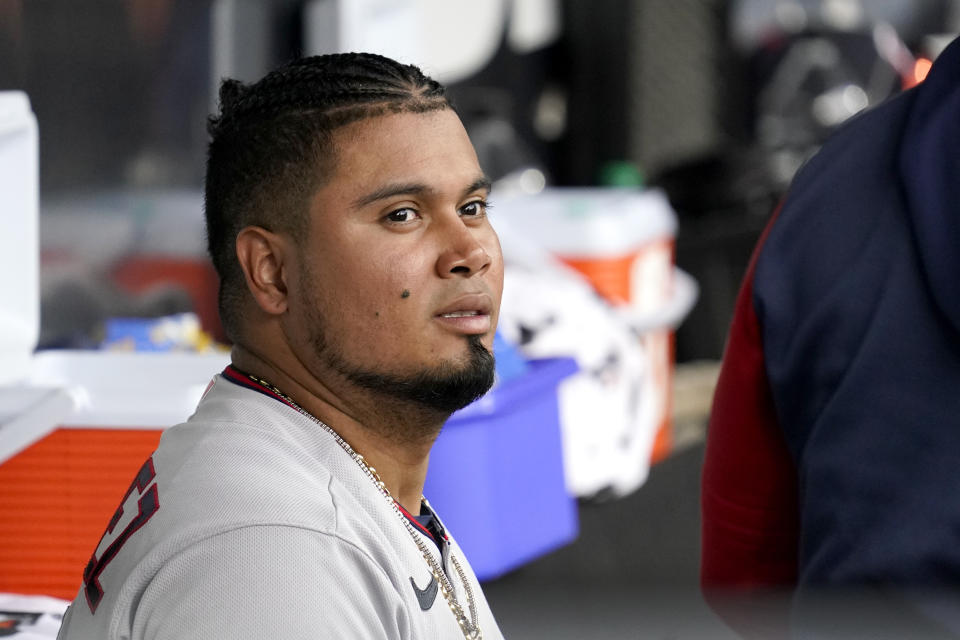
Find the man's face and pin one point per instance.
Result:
(401, 272)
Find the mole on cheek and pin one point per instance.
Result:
(377, 313)
(405, 294)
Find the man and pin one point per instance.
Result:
(833, 442)
(360, 285)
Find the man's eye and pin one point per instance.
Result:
(475, 208)
(401, 215)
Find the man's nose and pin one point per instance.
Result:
(463, 252)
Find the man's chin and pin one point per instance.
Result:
(443, 388)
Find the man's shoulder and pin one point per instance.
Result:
(843, 223)
(236, 469)
(243, 459)
(842, 194)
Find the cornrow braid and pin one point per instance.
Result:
(270, 147)
(323, 82)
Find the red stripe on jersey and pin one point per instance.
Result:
(236, 376)
(414, 521)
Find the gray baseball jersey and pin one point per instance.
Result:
(250, 521)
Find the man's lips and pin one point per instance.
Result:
(470, 304)
(467, 314)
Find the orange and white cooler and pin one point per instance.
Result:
(73, 433)
(622, 241)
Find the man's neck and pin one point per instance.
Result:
(376, 428)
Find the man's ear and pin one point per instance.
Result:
(264, 258)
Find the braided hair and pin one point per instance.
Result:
(271, 147)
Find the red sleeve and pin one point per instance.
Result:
(749, 487)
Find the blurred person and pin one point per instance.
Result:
(360, 285)
(834, 439)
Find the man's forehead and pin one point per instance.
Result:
(405, 153)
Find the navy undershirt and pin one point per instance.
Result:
(431, 523)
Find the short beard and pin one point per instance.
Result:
(442, 389)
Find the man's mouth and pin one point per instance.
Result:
(469, 314)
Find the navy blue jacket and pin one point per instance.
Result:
(833, 454)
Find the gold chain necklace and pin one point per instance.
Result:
(469, 627)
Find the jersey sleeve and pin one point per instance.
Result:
(748, 498)
(271, 582)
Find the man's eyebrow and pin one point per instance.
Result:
(390, 190)
(414, 188)
(482, 183)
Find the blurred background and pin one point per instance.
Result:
(694, 114)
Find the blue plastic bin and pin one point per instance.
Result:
(496, 473)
